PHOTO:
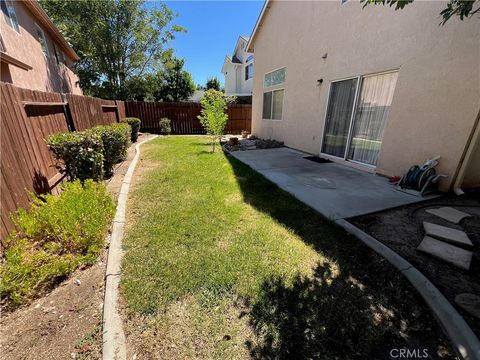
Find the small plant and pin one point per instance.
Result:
(79, 155)
(116, 140)
(213, 116)
(57, 235)
(135, 124)
(165, 126)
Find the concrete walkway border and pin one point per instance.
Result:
(460, 334)
(114, 346)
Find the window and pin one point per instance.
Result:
(357, 114)
(10, 15)
(59, 55)
(276, 77)
(249, 58)
(42, 40)
(273, 98)
(249, 72)
(273, 104)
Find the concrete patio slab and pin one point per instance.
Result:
(453, 236)
(446, 252)
(449, 214)
(335, 190)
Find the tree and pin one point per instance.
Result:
(462, 8)
(176, 84)
(213, 83)
(117, 40)
(213, 116)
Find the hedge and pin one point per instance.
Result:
(57, 235)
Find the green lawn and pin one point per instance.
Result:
(221, 264)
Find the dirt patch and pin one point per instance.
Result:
(193, 328)
(402, 230)
(67, 322)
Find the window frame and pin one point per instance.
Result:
(47, 53)
(247, 75)
(272, 71)
(9, 20)
(272, 89)
(271, 103)
(352, 117)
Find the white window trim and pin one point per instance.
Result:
(47, 55)
(357, 94)
(271, 105)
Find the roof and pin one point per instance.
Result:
(41, 16)
(258, 25)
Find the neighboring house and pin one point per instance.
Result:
(238, 70)
(197, 95)
(370, 87)
(33, 52)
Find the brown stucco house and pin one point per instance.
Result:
(372, 88)
(33, 52)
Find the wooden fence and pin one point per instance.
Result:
(184, 116)
(28, 117)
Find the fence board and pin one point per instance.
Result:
(26, 163)
(87, 112)
(184, 116)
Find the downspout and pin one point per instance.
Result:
(467, 157)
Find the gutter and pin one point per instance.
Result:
(473, 143)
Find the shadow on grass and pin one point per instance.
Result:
(362, 311)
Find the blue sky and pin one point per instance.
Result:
(213, 28)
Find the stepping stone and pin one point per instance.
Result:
(470, 303)
(449, 214)
(453, 236)
(446, 252)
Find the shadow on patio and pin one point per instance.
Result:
(361, 309)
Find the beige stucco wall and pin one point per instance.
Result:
(437, 96)
(46, 74)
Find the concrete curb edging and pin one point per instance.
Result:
(114, 346)
(462, 337)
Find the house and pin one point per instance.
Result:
(197, 95)
(372, 88)
(33, 52)
(238, 70)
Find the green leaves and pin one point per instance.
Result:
(92, 153)
(213, 116)
(135, 124)
(116, 140)
(461, 8)
(57, 235)
(115, 39)
(79, 155)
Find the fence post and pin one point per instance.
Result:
(68, 113)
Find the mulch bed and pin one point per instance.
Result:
(402, 230)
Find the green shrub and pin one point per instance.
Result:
(58, 234)
(165, 126)
(79, 154)
(116, 140)
(135, 125)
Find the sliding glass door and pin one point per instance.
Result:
(355, 123)
(339, 116)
